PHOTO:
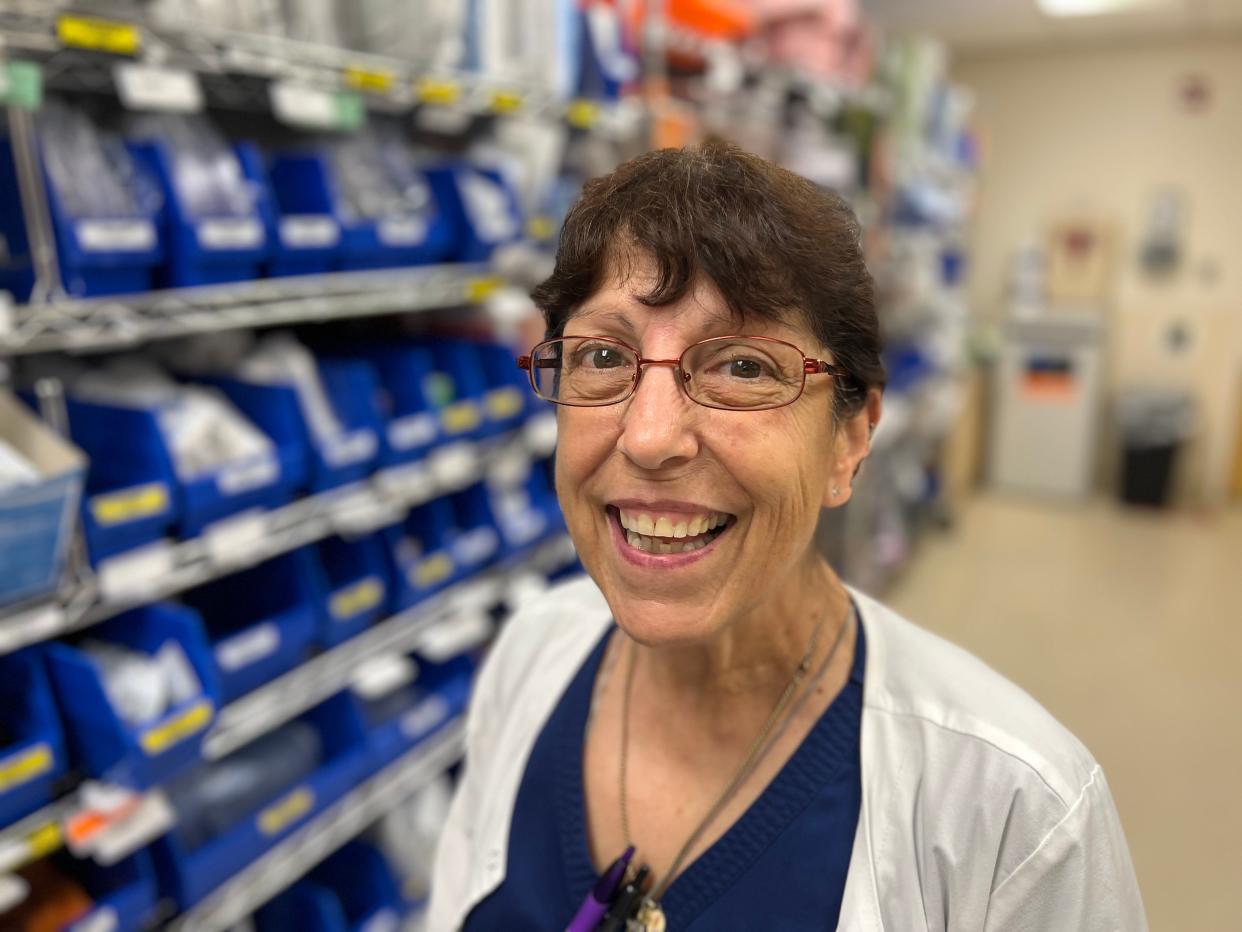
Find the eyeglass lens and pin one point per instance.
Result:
(736, 372)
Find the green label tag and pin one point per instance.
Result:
(21, 85)
(350, 112)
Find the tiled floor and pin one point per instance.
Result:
(1128, 627)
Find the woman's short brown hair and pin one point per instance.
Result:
(773, 243)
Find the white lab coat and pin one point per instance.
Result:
(979, 811)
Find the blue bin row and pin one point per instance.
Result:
(238, 633)
(230, 812)
(396, 404)
(288, 215)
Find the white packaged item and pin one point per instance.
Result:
(142, 687)
(428, 33)
(317, 21)
(15, 469)
(281, 360)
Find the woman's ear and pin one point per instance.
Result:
(852, 442)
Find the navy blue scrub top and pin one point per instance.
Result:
(782, 865)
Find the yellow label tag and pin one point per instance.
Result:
(460, 417)
(506, 102)
(434, 569)
(353, 600)
(365, 79)
(164, 735)
(25, 766)
(504, 402)
(140, 501)
(99, 35)
(284, 812)
(478, 289)
(44, 840)
(582, 114)
(438, 91)
(540, 227)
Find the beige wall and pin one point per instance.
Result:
(1097, 131)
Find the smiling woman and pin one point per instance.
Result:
(778, 750)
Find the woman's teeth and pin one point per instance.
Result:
(664, 535)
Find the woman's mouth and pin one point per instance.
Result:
(665, 534)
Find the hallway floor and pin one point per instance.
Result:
(1127, 626)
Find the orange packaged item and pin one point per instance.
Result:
(54, 902)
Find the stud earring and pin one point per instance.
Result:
(836, 490)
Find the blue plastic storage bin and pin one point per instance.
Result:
(104, 746)
(33, 757)
(411, 714)
(303, 229)
(209, 248)
(97, 255)
(188, 872)
(421, 559)
(260, 622)
(132, 466)
(457, 389)
(349, 457)
(407, 400)
(483, 209)
(125, 894)
(356, 589)
(508, 400)
(306, 181)
(361, 879)
(473, 538)
(306, 906)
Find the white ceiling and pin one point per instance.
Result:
(980, 24)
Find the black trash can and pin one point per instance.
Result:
(1154, 427)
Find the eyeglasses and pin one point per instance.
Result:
(736, 373)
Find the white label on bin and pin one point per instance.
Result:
(243, 649)
(115, 235)
(456, 466)
(475, 546)
(168, 90)
(103, 919)
(386, 920)
(423, 717)
(510, 468)
(454, 636)
(411, 483)
(309, 231)
(137, 828)
(412, 430)
(402, 231)
(13, 890)
(136, 573)
(246, 476)
(298, 105)
(540, 434)
(348, 449)
(230, 233)
(236, 540)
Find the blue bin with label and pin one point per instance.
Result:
(133, 469)
(419, 552)
(213, 235)
(303, 229)
(262, 621)
(124, 894)
(356, 589)
(330, 462)
(201, 853)
(457, 389)
(508, 400)
(401, 719)
(32, 750)
(482, 207)
(473, 538)
(100, 250)
(105, 746)
(408, 393)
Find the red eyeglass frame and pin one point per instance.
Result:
(810, 366)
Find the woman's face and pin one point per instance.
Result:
(736, 493)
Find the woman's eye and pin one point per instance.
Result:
(746, 369)
(602, 358)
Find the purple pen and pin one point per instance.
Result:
(596, 903)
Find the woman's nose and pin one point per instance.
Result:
(657, 426)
